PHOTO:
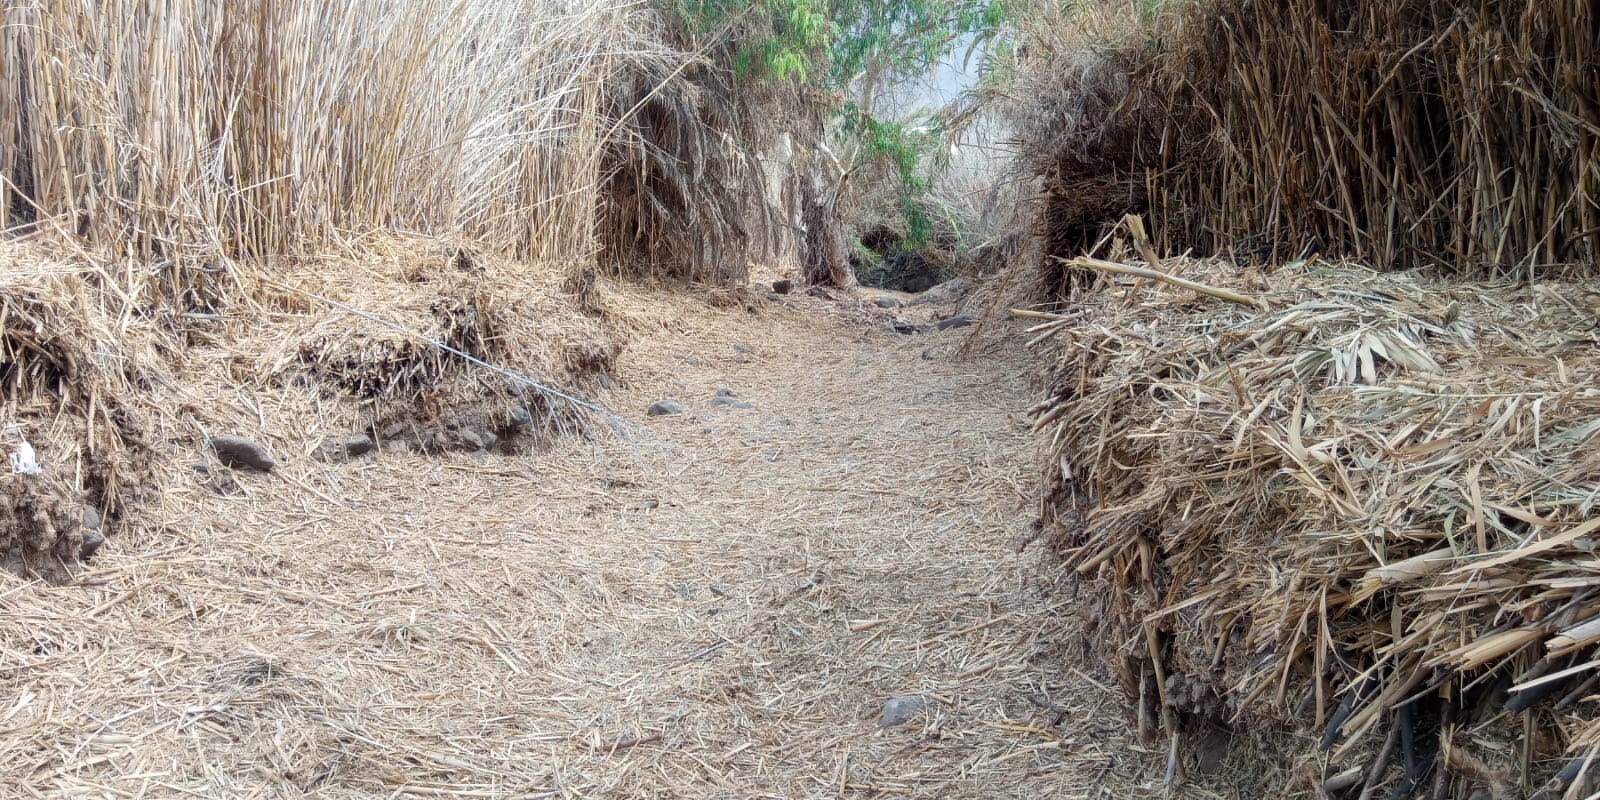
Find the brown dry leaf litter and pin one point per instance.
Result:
(718, 607)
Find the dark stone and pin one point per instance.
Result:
(900, 710)
(433, 441)
(237, 451)
(959, 321)
(661, 408)
(927, 354)
(783, 286)
(340, 449)
(520, 417)
(91, 519)
(943, 293)
(725, 392)
(741, 348)
(92, 541)
(885, 301)
(359, 444)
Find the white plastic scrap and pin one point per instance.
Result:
(23, 461)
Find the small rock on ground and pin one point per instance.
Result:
(92, 541)
(237, 451)
(359, 444)
(783, 286)
(899, 710)
(885, 301)
(944, 292)
(662, 408)
(340, 448)
(726, 392)
(959, 321)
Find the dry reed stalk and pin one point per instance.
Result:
(246, 129)
(1462, 135)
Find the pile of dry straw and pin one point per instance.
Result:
(1357, 502)
(416, 346)
(70, 359)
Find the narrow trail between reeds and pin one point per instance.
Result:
(718, 608)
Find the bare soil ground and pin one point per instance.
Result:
(716, 606)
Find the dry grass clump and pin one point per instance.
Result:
(246, 129)
(1403, 134)
(684, 191)
(415, 345)
(1364, 506)
(69, 360)
(430, 341)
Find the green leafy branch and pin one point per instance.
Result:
(831, 44)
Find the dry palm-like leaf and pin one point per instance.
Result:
(1383, 489)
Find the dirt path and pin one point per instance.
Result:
(718, 608)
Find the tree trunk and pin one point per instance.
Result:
(824, 259)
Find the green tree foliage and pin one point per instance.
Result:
(836, 46)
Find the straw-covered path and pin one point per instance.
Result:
(716, 608)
